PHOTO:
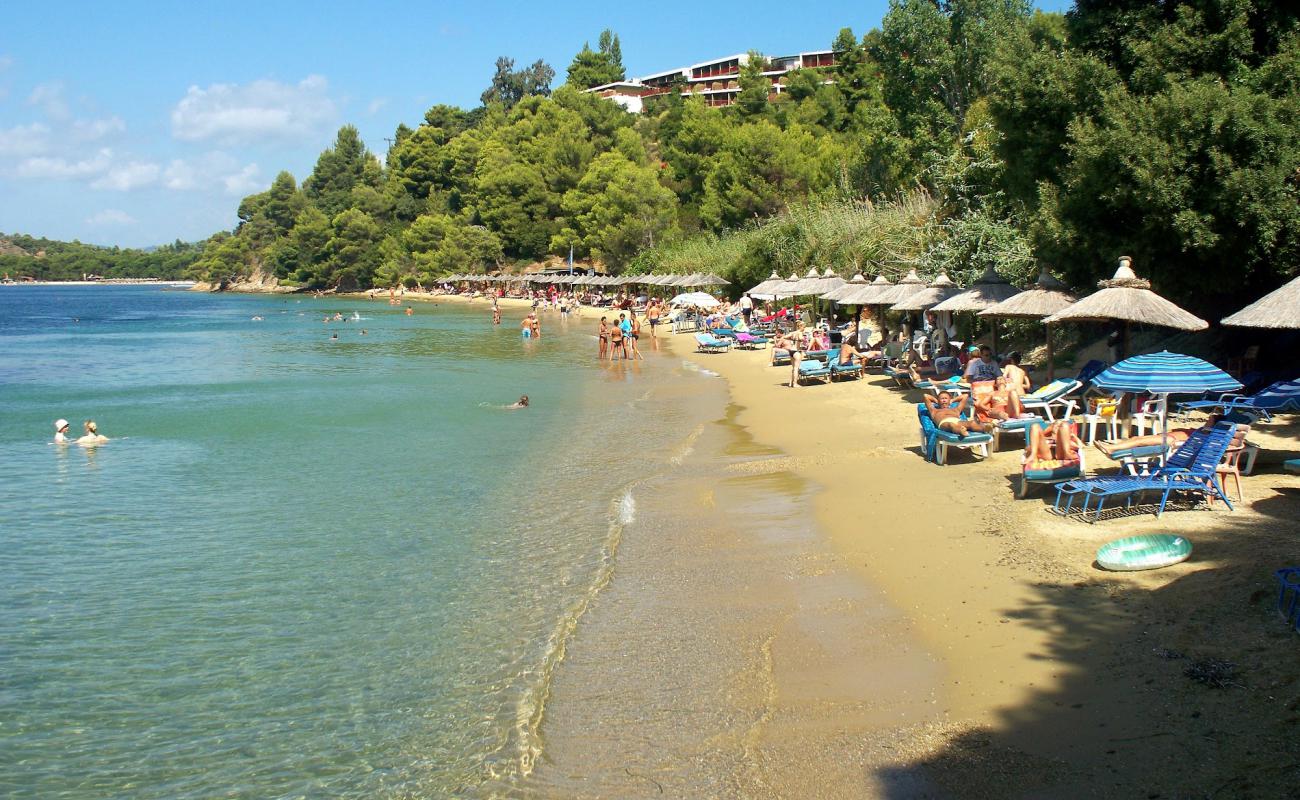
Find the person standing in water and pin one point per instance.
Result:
(496, 315)
(603, 335)
(633, 335)
(93, 436)
(61, 432)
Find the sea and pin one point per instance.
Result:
(316, 558)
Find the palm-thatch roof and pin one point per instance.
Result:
(864, 295)
(1277, 309)
(986, 292)
(854, 284)
(906, 287)
(766, 286)
(940, 289)
(1046, 297)
(1128, 298)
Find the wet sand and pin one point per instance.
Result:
(839, 618)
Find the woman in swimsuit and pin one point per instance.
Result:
(603, 335)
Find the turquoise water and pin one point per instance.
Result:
(301, 567)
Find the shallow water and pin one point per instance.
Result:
(302, 567)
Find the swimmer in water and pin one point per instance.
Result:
(363, 331)
(61, 432)
(523, 402)
(257, 319)
(93, 436)
(409, 311)
(334, 338)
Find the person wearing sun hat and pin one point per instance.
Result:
(61, 431)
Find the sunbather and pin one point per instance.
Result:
(849, 355)
(1017, 378)
(1052, 446)
(947, 414)
(995, 401)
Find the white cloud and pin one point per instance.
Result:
(129, 176)
(110, 216)
(258, 110)
(24, 140)
(89, 130)
(49, 98)
(375, 105)
(244, 181)
(64, 168)
(179, 175)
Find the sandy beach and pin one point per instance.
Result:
(1056, 678)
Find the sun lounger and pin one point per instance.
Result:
(706, 343)
(749, 341)
(1050, 472)
(813, 369)
(780, 356)
(1276, 398)
(839, 370)
(1051, 399)
(936, 442)
(1192, 468)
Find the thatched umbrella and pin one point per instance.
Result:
(863, 295)
(986, 292)
(854, 283)
(786, 288)
(1277, 309)
(907, 286)
(764, 287)
(1044, 298)
(710, 279)
(1128, 299)
(938, 290)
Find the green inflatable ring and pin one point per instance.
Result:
(1143, 552)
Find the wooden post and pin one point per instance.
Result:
(1051, 363)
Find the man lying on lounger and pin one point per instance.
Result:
(947, 414)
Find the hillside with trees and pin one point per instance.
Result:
(960, 133)
(23, 256)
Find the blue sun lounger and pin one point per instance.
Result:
(813, 369)
(936, 442)
(1275, 398)
(706, 343)
(1193, 468)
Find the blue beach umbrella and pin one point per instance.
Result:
(1163, 374)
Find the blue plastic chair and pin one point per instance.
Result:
(1275, 398)
(935, 442)
(1193, 467)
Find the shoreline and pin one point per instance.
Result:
(1048, 681)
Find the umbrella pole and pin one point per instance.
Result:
(995, 337)
(1051, 363)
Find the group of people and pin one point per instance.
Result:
(619, 339)
(91, 437)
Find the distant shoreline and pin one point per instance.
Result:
(105, 282)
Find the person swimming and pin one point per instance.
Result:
(522, 403)
(61, 431)
(93, 436)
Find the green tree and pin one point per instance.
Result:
(509, 85)
(352, 250)
(339, 169)
(618, 209)
(751, 100)
(597, 67)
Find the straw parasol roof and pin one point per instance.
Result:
(854, 284)
(1046, 297)
(1128, 298)
(1277, 309)
(864, 295)
(710, 279)
(786, 288)
(986, 292)
(765, 287)
(940, 289)
(905, 288)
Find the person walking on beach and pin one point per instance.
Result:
(652, 316)
(603, 335)
(747, 307)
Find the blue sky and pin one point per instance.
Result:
(134, 124)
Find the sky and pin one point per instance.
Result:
(137, 124)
